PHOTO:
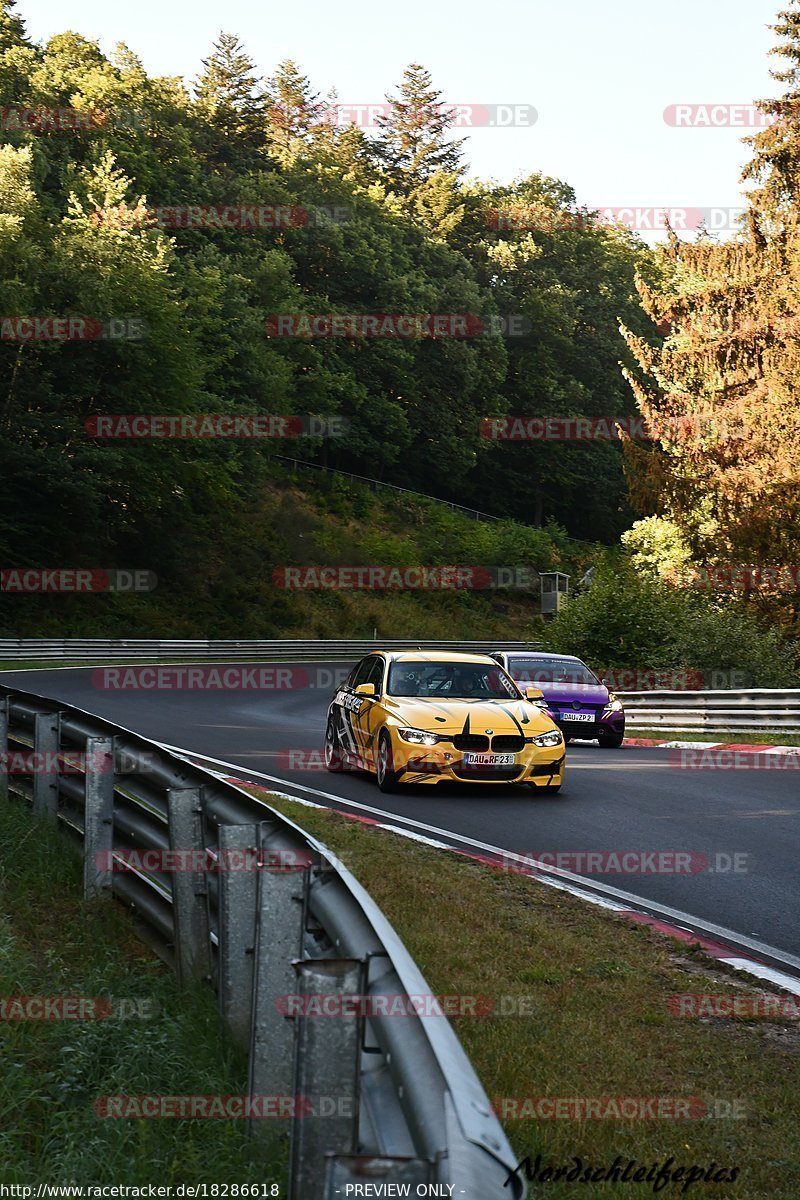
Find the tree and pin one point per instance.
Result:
(294, 112)
(12, 27)
(571, 282)
(775, 165)
(722, 390)
(228, 96)
(414, 143)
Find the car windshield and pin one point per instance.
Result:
(448, 680)
(550, 670)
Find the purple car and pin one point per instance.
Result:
(574, 697)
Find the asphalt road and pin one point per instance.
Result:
(631, 799)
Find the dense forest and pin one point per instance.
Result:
(159, 238)
(94, 224)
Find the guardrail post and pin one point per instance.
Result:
(5, 710)
(326, 1072)
(236, 929)
(46, 743)
(98, 822)
(189, 895)
(280, 920)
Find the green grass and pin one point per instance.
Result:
(320, 521)
(765, 738)
(53, 943)
(595, 991)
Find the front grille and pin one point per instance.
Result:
(508, 743)
(487, 772)
(471, 741)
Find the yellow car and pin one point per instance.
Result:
(416, 717)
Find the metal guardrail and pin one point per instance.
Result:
(473, 513)
(278, 649)
(409, 1107)
(757, 710)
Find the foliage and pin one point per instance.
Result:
(385, 223)
(721, 391)
(657, 545)
(627, 619)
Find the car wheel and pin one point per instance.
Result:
(611, 741)
(384, 764)
(334, 759)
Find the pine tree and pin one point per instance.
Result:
(414, 144)
(228, 98)
(12, 27)
(722, 391)
(775, 165)
(294, 111)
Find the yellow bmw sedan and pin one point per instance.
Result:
(417, 717)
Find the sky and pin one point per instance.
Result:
(599, 76)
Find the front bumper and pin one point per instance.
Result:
(431, 765)
(607, 722)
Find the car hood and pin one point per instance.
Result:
(469, 716)
(571, 693)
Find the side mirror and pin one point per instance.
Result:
(534, 694)
(365, 689)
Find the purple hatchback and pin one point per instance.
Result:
(574, 697)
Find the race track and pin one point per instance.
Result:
(632, 799)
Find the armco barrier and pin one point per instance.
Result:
(759, 710)
(286, 649)
(409, 1107)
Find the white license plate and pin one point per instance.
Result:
(488, 760)
(567, 716)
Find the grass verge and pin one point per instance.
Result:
(592, 993)
(765, 738)
(53, 943)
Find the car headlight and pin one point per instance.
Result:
(614, 705)
(420, 737)
(553, 738)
